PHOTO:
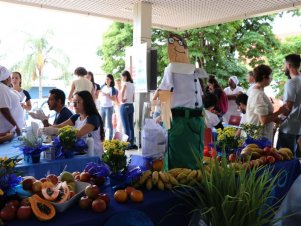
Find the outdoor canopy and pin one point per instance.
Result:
(173, 15)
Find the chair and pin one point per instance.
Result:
(120, 136)
(234, 120)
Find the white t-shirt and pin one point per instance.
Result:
(104, 100)
(259, 104)
(250, 87)
(98, 148)
(129, 93)
(232, 106)
(82, 84)
(183, 79)
(211, 119)
(11, 100)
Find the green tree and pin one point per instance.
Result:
(291, 44)
(40, 53)
(222, 50)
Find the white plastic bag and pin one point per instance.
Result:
(153, 139)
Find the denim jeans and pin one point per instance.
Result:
(288, 141)
(106, 115)
(127, 119)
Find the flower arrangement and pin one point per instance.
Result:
(66, 143)
(8, 176)
(227, 139)
(252, 130)
(114, 155)
(67, 136)
(31, 148)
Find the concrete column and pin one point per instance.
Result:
(142, 25)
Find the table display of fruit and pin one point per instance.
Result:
(257, 156)
(94, 200)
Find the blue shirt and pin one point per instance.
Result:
(63, 116)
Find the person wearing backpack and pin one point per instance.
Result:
(108, 95)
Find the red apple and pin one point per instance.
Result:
(24, 213)
(7, 214)
(267, 150)
(232, 157)
(104, 197)
(85, 176)
(98, 205)
(85, 202)
(43, 179)
(92, 191)
(270, 159)
(37, 186)
(14, 203)
(52, 178)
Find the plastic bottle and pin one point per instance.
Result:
(90, 143)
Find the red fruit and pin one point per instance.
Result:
(270, 159)
(71, 194)
(104, 197)
(77, 177)
(85, 202)
(267, 150)
(7, 214)
(53, 179)
(75, 173)
(25, 202)
(85, 176)
(232, 157)
(24, 213)
(27, 182)
(92, 191)
(37, 186)
(43, 179)
(277, 156)
(98, 205)
(14, 203)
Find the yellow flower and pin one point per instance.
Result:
(1, 192)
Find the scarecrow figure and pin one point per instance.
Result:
(180, 93)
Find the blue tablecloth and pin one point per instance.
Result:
(41, 169)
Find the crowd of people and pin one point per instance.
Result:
(256, 107)
(89, 106)
(93, 106)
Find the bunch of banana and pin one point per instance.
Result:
(158, 179)
(186, 176)
(251, 151)
(286, 153)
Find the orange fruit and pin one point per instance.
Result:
(137, 196)
(129, 189)
(157, 165)
(120, 196)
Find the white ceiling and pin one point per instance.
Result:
(170, 14)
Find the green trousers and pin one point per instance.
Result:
(185, 142)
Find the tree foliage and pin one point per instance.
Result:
(223, 49)
(40, 53)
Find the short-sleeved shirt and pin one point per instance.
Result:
(129, 93)
(292, 92)
(95, 121)
(211, 119)
(63, 116)
(104, 100)
(24, 95)
(259, 105)
(182, 79)
(232, 106)
(11, 100)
